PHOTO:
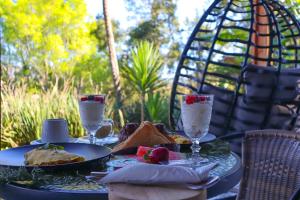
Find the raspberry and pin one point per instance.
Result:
(83, 99)
(190, 99)
(202, 98)
(99, 98)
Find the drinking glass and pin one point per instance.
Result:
(196, 114)
(91, 109)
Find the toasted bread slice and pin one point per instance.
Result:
(146, 135)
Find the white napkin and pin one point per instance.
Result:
(151, 174)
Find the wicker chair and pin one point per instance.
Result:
(271, 165)
(245, 53)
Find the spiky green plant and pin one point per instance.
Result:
(144, 73)
(157, 107)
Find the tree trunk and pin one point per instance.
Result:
(142, 107)
(112, 53)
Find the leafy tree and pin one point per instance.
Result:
(99, 33)
(294, 6)
(144, 72)
(157, 23)
(46, 38)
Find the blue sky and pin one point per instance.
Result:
(185, 9)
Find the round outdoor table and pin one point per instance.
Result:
(229, 171)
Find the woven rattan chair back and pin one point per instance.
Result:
(271, 165)
(246, 53)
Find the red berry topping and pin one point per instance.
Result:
(83, 99)
(190, 99)
(202, 98)
(99, 98)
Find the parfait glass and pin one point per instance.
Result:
(196, 114)
(91, 109)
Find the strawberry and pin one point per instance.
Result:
(160, 154)
(146, 156)
(142, 151)
(153, 160)
(154, 156)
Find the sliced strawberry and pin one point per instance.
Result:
(142, 151)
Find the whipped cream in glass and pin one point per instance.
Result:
(91, 109)
(196, 113)
(91, 114)
(196, 118)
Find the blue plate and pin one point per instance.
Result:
(94, 156)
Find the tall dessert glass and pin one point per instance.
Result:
(91, 109)
(196, 114)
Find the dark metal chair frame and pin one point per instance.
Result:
(204, 64)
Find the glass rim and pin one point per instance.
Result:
(101, 98)
(198, 95)
(197, 98)
(211, 96)
(55, 119)
(101, 95)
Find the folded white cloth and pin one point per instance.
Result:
(151, 174)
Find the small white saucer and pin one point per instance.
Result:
(71, 140)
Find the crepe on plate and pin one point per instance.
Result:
(43, 156)
(146, 135)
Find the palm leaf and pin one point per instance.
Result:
(144, 72)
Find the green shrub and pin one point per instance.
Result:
(23, 113)
(157, 107)
(24, 108)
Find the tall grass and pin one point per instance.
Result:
(23, 112)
